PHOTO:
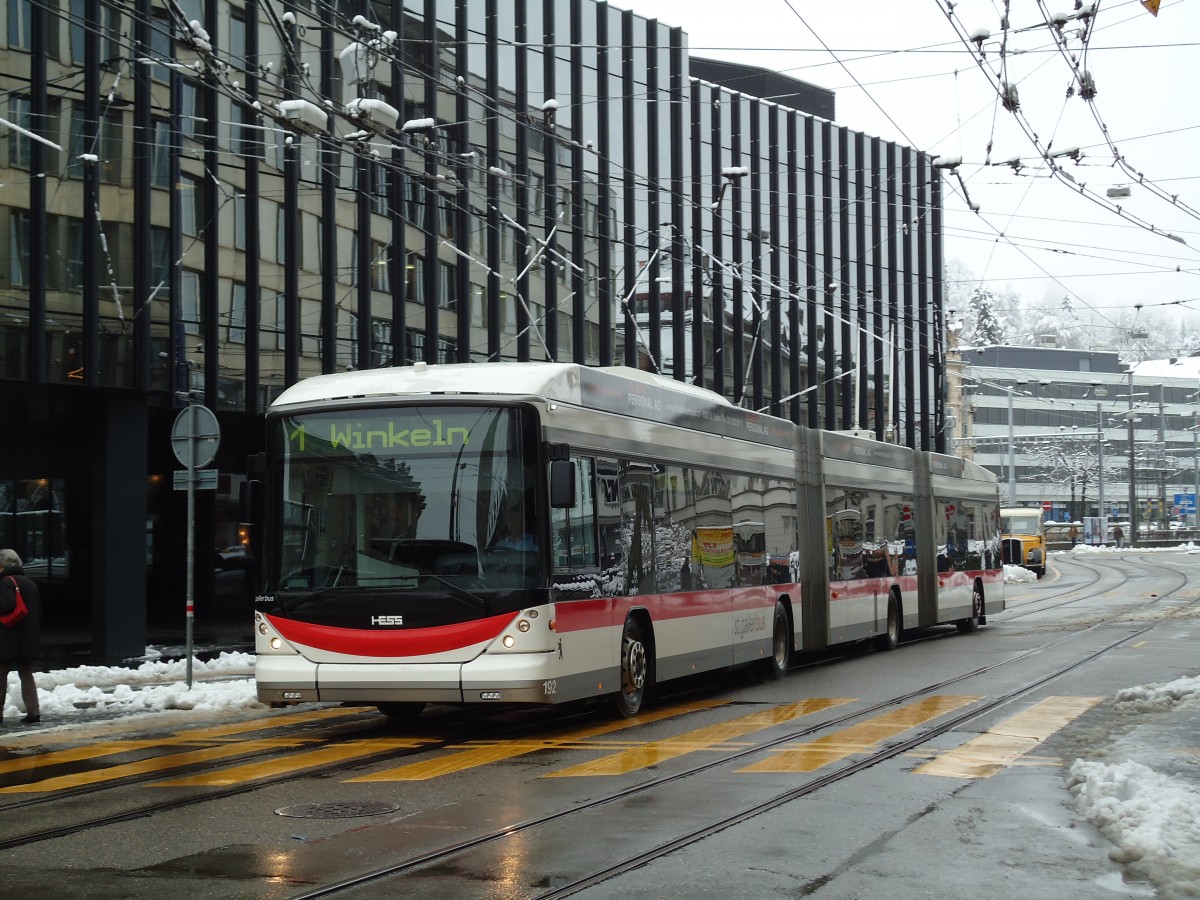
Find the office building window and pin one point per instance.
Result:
(381, 278)
(20, 27)
(191, 201)
(161, 262)
(160, 163)
(239, 221)
(110, 25)
(104, 144)
(18, 248)
(73, 263)
(189, 306)
(414, 278)
(447, 286)
(237, 313)
(18, 144)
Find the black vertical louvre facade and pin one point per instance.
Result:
(375, 183)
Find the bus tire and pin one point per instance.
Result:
(401, 712)
(775, 666)
(890, 638)
(635, 670)
(970, 624)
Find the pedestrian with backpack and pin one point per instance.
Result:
(20, 634)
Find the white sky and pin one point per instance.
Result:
(912, 64)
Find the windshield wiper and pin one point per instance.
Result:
(457, 592)
(305, 599)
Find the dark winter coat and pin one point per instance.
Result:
(23, 640)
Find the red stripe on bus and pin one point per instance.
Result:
(581, 615)
(604, 612)
(392, 642)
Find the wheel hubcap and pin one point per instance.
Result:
(635, 666)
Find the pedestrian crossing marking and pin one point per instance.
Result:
(153, 764)
(1009, 743)
(473, 754)
(336, 753)
(187, 736)
(701, 739)
(859, 738)
(1001, 746)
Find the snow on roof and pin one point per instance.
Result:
(1180, 367)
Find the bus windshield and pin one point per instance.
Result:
(429, 498)
(1030, 523)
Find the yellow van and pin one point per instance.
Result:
(1024, 538)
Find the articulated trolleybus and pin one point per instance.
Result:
(539, 533)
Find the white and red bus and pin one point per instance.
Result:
(540, 533)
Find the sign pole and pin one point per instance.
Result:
(191, 551)
(195, 437)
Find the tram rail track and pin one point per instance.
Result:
(508, 730)
(810, 786)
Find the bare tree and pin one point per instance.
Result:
(1073, 461)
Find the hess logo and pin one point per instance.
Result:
(387, 620)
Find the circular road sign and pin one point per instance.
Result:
(195, 436)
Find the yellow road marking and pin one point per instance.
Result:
(987, 754)
(813, 755)
(154, 764)
(474, 755)
(187, 736)
(702, 739)
(295, 762)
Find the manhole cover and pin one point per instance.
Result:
(345, 810)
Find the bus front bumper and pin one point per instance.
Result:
(503, 678)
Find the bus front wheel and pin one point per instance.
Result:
(635, 670)
(401, 712)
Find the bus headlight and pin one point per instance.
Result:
(523, 625)
(509, 641)
(276, 644)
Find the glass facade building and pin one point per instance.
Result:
(209, 200)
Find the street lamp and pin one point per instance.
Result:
(1012, 465)
(1133, 511)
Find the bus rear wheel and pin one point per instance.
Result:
(890, 638)
(970, 624)
(776, 665)
(635, 670)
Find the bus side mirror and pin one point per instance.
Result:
(249, 499)
(562, 484)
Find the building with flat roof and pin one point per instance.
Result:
(1058, 426)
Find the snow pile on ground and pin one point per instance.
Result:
(1085, 549)
(1152, 819)
(1147, 697)
(1017, 575)
(224, 683)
